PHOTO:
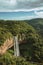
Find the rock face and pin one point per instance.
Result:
(6, 45)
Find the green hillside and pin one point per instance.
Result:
(37, 24)
(31, 47)
(12, 28)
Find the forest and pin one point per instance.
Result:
(31, 47)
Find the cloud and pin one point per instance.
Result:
(11, 5)
(24, 10)
(26, 17)
(39, 14)
(27, 0)
(6, 2)
(12, 2)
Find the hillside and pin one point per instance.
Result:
(31, 46)
(37, 24)
(11, 28)
(6, 45)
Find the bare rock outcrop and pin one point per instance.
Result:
(6, 45)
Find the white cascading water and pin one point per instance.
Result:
(16, 46)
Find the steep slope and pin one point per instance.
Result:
(37, 24)
(8, 29)
(6, 45)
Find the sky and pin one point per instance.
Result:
(21, 9)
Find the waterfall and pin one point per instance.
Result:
(16, 46)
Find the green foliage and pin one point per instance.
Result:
(4, 34)
(9, 28)
(31, 49)
(38, 25)
(7, 59)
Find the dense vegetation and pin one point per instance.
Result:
(37, 24)
(8, 59)
(31, 47)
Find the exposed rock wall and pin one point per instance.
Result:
(6, 45)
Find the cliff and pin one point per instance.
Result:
(6, 45)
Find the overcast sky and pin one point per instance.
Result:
(12, 5)
(22, 5)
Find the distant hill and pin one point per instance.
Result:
(37, 24)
